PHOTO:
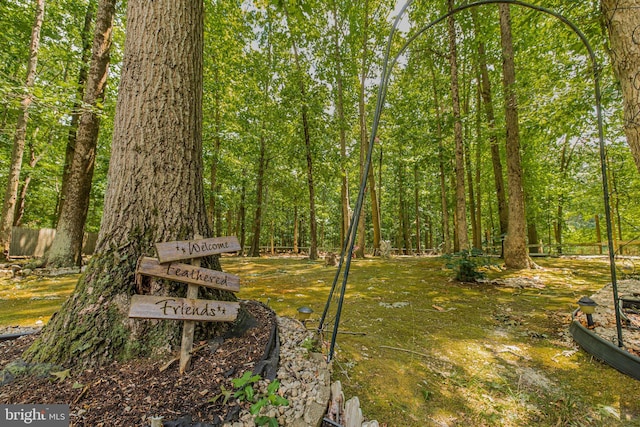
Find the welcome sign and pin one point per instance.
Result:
(189, 309)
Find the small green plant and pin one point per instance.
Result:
(311, 344)
(244, 391)
(465, 264)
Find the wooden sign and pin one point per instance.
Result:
(187, 273)
(197, 248)
(162, 307)
(189, 309)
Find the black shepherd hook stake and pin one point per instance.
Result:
(347, 249)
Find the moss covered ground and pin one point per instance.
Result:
(424, 350)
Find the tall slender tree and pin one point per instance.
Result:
(20, 136)
(306, 131)
(85, 56)
(66, 249)
(461, 204)
(515, 243)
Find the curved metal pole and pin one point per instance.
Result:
(382, 92)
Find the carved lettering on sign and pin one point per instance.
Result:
(189, 274)
(154, 307)
(187, 249)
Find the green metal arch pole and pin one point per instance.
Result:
(382, 92)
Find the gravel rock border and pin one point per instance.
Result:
(305, 380)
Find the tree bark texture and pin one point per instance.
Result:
(154, 191)
(515, 244)
(461, 204)
(66, 249)
(622, 20)
(20, 136)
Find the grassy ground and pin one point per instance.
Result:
(432, 351)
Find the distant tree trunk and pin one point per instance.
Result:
(532, 236)
(461, 204)
(313, 224)
(375, 211)
(487, 99)
(362, 122)
(621, 18)
(66, 249)
(416, 197)
(598, 234)
(154, 192)
(217, 123)
(615, 208)
(475, 228)
(19, 139)
(217, 221)
(515, 243)
(22, 198)
(403, 215)
(296, 230)
(75, 112)
(257, 218)
(477, 237)
(342, 128)
(446, 236)
(243, 216)
(565, 159)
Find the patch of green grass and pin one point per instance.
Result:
(436, 351)
(25, 301)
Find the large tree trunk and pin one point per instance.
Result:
(154, 191)
(515, 244)
(19, 139)
(621, 17)
(461, 204)
(66, 249)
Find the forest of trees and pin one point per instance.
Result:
(289, 93)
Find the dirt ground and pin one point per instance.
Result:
(127, 394)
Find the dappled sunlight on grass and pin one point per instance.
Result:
(25, 301)
(421, 349)
(441, 352)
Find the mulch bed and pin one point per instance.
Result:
(127, 394)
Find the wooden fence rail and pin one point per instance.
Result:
(26, 242)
